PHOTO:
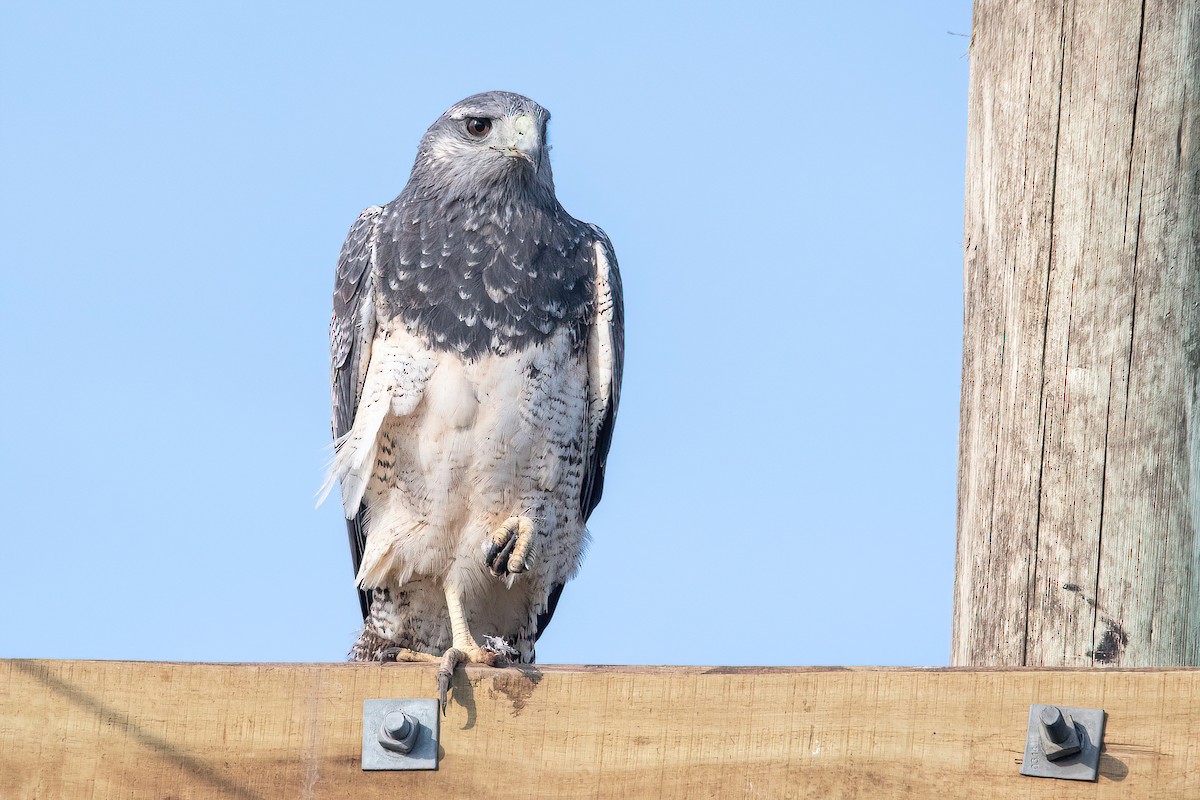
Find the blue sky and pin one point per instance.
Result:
(783, 185)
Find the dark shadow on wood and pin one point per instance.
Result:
(1113, 768)
(121, 722)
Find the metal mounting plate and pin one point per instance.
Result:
(1082, 766)
(424, 754)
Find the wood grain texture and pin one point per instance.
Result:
(1079, 450)
(77, 729)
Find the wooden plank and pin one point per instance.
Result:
(78, 729)
(1079, 450)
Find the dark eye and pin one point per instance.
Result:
(479, 126)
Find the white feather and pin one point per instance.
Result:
(601, 350)
(395, 382)
(485, 443)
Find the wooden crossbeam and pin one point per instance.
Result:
(89, 729)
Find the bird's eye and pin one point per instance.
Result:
(479, 126)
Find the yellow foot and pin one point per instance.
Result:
(511, 549)
(404, 654)
(469, 655)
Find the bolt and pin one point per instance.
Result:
(399, 732)
(1056, 727)
(397, 725)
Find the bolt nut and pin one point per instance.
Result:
(1060, 737)
(399, 732)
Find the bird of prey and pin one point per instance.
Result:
(477, 344)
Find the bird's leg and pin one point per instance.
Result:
(510, 550)
(465, 649)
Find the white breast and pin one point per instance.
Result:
(493, 438)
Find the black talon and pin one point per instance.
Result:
(498, 556)
(445, 674)
(443, 682)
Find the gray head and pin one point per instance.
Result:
(488, 144)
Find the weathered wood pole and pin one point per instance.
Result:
(1079, 446)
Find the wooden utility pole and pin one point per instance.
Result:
(1079, 448)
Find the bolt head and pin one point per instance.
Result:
(1051, 716)
(399, 732)
(1059, 736)
(1054, 724)
(397, 724)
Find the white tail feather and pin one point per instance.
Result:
(330, 475)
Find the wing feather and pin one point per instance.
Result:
(351, 332)
(606, 360)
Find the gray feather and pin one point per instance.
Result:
(593, 481)
(350, 333)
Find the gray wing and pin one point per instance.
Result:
(350, 334)
(606, 360)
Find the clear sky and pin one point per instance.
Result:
(782, 182)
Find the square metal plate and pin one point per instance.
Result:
(1084, 765)
(424, 754)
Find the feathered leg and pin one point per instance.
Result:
(382, 638)
(373, 647)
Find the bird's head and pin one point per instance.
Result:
(494, 140)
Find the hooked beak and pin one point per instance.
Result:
(522, 141)
(516, 152)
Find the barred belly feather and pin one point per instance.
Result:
(486, 440)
